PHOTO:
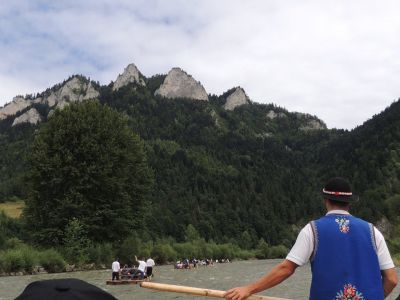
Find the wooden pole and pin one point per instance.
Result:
(197, 291)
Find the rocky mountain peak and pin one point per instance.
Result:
(74, 90)
(17, 104)
(237, 98)
(131, 74)
(179, 84)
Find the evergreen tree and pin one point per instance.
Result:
(86, 165)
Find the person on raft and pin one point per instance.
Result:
(141, 270)
(116, 269)
(349, 257)
(149, 267)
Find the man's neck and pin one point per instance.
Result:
(337, 208)
(330, 206)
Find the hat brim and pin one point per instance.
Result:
(353, 198)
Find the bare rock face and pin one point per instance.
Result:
(73, 90)
(310, 122)
(273, 115)
(130, 74)
(237, 98)
(31, 116)
(313, 125)
(91, 92)
(178, 84)
(16, 105)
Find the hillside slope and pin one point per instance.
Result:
(255, 168)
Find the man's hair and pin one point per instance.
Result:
(341, 204)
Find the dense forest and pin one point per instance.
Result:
(238, 177)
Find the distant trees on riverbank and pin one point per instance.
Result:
(19, 257)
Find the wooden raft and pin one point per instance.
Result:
(125, 281)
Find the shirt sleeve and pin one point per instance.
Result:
(385, 260)
(301, 251)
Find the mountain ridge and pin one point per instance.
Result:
(176, 84)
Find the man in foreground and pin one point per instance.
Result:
(349, 257)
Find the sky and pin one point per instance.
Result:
(338, 60)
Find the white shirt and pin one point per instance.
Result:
(115, 266)
(301, 251)
(150, 262)
(142, 265)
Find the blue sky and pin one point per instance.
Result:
(338, 60)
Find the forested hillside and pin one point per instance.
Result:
(236, 175)
(369, 156)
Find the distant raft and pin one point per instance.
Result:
(126, 281)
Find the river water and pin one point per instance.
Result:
(218, 277)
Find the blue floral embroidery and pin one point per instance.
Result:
(343, 224)
(349, 292)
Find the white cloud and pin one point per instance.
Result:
(334, 59)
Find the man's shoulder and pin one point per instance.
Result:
(307, 227)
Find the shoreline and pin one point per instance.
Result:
(39, 270)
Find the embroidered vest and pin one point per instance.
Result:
(344, 263)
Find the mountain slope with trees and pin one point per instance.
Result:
(245, 176)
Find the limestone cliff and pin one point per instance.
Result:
(310, 122)
(235, 99)
(73, 90)
(313, 124)
(131, 74)
(178, 84)
(305, 122)
(16, 105)
(31, 116)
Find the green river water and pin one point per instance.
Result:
(219, 277)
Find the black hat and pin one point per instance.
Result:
(61, 289)
(338, 189)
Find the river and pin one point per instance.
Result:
(219, 277)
